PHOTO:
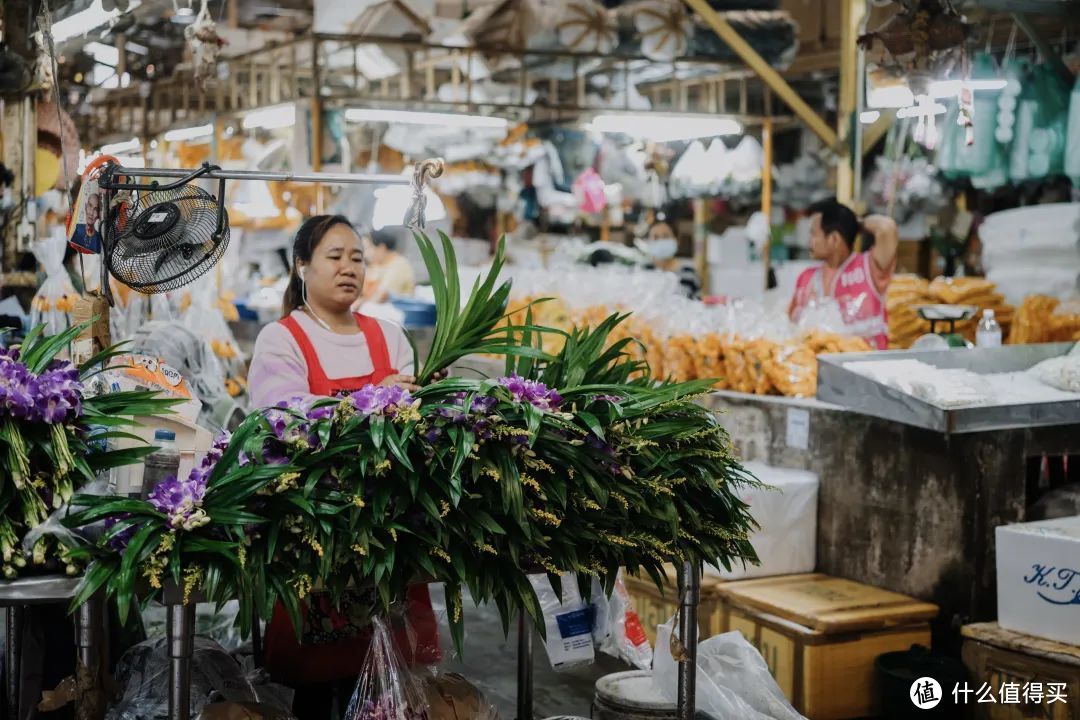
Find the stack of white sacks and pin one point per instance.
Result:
(787, 514)
(1033, 247)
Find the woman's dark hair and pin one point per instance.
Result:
(307, 239)
(384, 237)
(838, 218)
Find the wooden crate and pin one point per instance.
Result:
(996, 656)
(654, 608)
(820, 636)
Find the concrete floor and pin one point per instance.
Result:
(490, 663)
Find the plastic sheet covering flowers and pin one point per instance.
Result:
(576, 462)
(54, 439)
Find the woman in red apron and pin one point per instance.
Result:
(320, 348)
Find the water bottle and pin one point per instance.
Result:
(989, 332)
(162, 463)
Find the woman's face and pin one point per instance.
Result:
(335, 275)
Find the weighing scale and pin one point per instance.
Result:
(950, 314)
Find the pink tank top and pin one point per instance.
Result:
(861, 305)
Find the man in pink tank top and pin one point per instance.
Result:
(856, 280)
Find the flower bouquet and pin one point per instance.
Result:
(564, 464)
(53, 440)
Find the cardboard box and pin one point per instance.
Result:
(996, 656)
(654, 607)
(820, 635)
(786, 541)
(1038, 579)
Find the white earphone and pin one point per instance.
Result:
(301, 269)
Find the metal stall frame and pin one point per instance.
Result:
(16, 596)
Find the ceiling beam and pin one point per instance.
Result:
(762, 69)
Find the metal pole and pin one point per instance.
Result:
(13, 661)
(181, 631)
(215, 174)
(89, 633)
(689, 591)
(525, 668)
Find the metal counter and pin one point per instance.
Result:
(843, 387)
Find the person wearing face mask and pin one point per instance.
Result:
(320, 348)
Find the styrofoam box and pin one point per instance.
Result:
(787, 539)
(1038, 578)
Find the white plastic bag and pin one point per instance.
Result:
(56, 297)
(569, 633)
(733, 681)
(616, 626)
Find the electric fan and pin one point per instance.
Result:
(160, 237)
(167, 238)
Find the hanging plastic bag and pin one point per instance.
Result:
(617, 628)
(55, 299)
(1027, 104)
(733, 681)
(1072, 150)
(386, 688)
(1047, 146)
(589, 191)
(984, 159)
(569, 630)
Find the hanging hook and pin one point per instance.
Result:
(430, 168)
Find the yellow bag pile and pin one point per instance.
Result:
(1043, 319)
(980, 293)
(907, 292)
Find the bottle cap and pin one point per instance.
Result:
(164, 435)
(988, 313)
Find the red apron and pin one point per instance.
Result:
(418, 638)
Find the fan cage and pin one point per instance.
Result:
(165, 239)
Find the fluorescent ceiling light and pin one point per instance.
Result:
(408, 117)
(102, 53)
(894, 96)
(271, 118)
(921, 110)
(662, 128)
(952, 88)
(136, 48)
(121, 148)
(86, 20)
(869, 117)
(190, 133)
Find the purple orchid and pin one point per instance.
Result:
(381, 400)
(533, 392)
(182, 500)
(120, 541)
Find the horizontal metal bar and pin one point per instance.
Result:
(215, 174)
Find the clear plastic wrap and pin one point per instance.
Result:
(54, 300)
(143, 675)
(386, 690)
(218, 625)
(617, 628)
(733, 681)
